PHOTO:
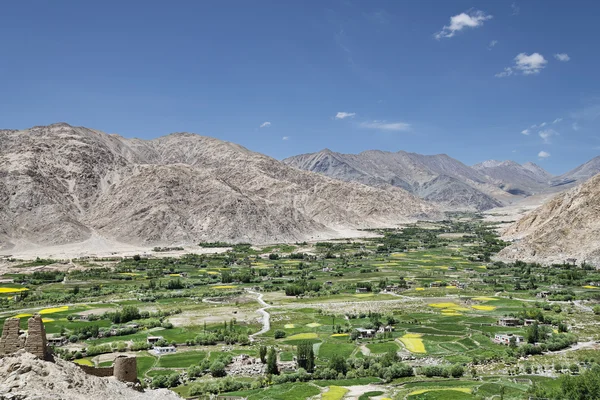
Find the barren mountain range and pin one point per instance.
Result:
(437, 178)
(568, 226)
(62, 184)
(443, 180)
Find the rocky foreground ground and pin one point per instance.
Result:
(24, 376)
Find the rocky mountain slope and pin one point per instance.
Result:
(526, 179)
(25, 377)
(63, 184)
(568, 226)
(438, 178)
(579, 174)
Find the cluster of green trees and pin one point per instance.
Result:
(572, 387)
(301, 287)
(454, 371)
(229, 333)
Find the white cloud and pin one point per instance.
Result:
(525, 131)
(562, 57)
(575, 126)
(557, 120)
(527, 64)
(342, 115)
(285, 138)
(386, 126)
(507, 72)
(543, 154)
(543, 124)
(530, 64)
(265, 124)
(547, 135)
(469, 19)
(492, 44)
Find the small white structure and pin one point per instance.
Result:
(365, 333)
(504, 338)
(164, 350)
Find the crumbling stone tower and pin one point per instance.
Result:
(10, 341)
(36, 337)
(125, 369)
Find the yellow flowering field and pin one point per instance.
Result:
(413, 342)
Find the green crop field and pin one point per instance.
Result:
(412, 312)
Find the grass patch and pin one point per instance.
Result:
(334, 393)
(385, 347)
(303, 336)
(183, 359)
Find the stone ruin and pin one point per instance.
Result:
(246, 365)
(34, 342)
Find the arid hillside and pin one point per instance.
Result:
(62, 184)
(567, 226)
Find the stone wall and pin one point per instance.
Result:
(36, 337)
(102, 372)
(10, 341)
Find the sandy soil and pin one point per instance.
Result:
(516, 211)
(96, 246)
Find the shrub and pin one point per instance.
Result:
(279, 334)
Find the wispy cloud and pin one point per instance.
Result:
(575, 126)
(515, 9)
(265, 124)
(526, 64)
(526, 132)
(562, 57)
(343, 114)
(543, 124)
(557, 120)
(547, 135)
(543, 154)
(588, 113)
(285, 138)
(469, 19)
(492, 44)
(386, 126)
(507, 72)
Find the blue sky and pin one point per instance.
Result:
(464, 78)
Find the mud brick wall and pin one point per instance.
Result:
(36, 337)
(10, 342)
(100, 372)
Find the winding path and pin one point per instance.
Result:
(266, 317)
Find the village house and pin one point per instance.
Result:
(504, 338)
(384, 329)
(158, 350)
(153, 339)
(365, 333)
(361, 290)
(543, 295)
(507, 321)
(435, 284)
(529, 322)
(56, 341)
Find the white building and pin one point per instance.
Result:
(164, 350)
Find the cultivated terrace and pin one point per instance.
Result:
(422, 312)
